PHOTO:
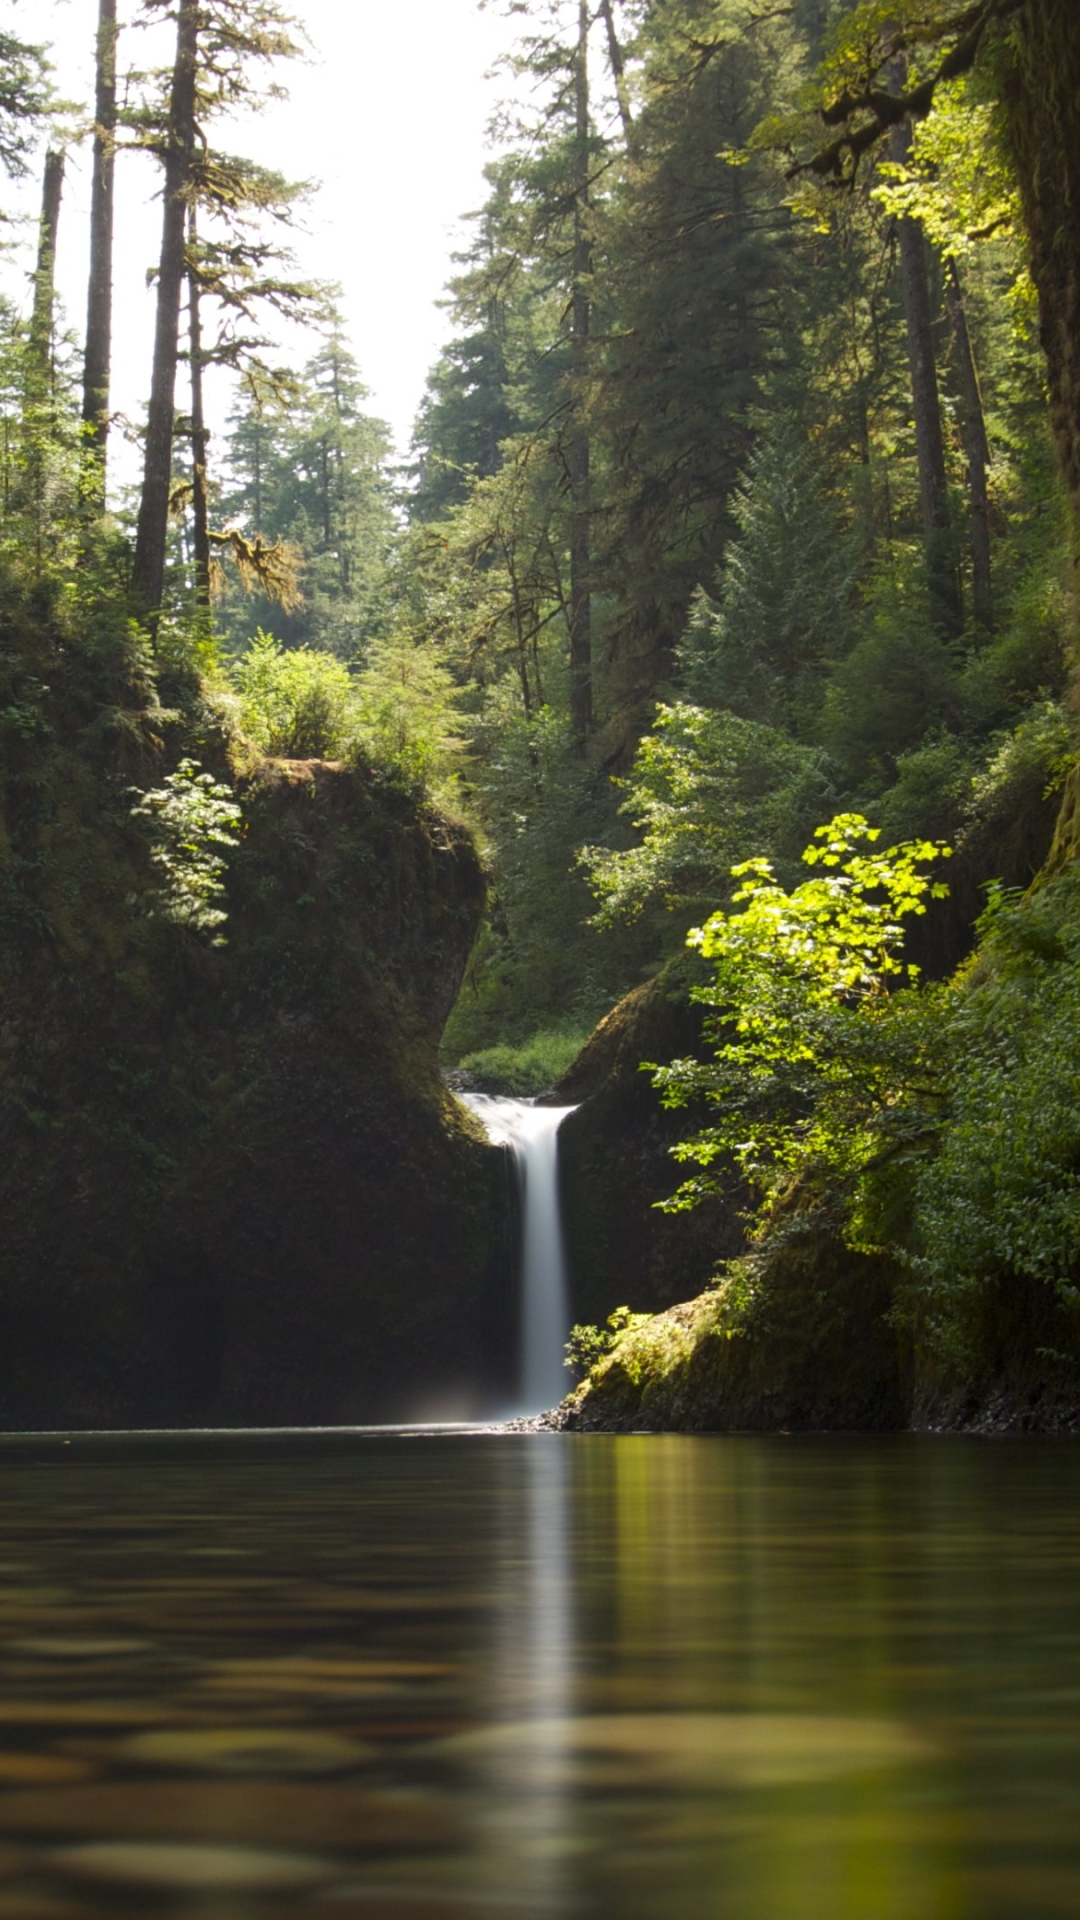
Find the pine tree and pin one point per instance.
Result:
(783, 608)
(218, 47)
(307, 469)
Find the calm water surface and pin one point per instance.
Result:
(655, 1678)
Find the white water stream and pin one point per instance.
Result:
(532, 1135)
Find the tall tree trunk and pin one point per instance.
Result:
(38, 408)
(976, 448)
(41, 317)
(200, 438)
(941, 567)
(618, 76)
(148, 574)
(581, 709)
(1041, 73)
(256, 474)
(98, 356)
(327, 501)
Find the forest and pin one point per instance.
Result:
(720, 629)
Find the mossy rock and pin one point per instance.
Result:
(796, 1337)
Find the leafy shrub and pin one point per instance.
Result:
(820, 1072)
(1002, 1198)
(408, 706)
(194, 823)
(1038, 752)
(704, 785)
(933, 791)
(887, 694)
(588, 1345)
(297, 704)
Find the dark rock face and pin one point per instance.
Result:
(1017, 1372)
(615, 1162)
(233, 1189)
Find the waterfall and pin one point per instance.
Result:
(531, 1133)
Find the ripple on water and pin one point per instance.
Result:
(318, 1815)
(685, 1749)
(67, 1647)
(190, 1867)
(246, 1750)
(42, 1770)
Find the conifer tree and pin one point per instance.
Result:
(783, 606)
(306, 469)
(218, 48)
(25, 98)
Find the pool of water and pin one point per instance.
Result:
(650, 1678)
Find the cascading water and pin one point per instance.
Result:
(531, 1133)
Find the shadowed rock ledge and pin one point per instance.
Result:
(233, 1188)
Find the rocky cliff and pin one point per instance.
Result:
(232, 1186)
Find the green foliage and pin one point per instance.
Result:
(704, 785)
(410, 710)
(195, 822)
(24, 99)
(784, 597)
(307, 468)
(895, 686)
(1040, 750)
(1001, 1200)
(587, 1345)
(530, 1066)
(933, 792)
(824, 1066)
(295, 703)
(532, 791)
(956, 180)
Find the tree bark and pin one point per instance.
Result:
(618, 76)
(256, 473)
(148, 574)
(941, 569)
(1042, 97)
(200, 508)
(977, 449)
(41, 317)
(581, 707)
(98, 355)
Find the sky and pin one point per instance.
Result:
(388, 113)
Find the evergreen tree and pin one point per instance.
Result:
(784, 600)
(307, 469)
(218, 45)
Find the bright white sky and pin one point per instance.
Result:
(390, 115)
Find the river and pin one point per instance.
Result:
(462, 1676)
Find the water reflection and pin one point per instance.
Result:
(536, 1676)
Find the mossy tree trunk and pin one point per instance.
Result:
(1042, 99)
(976, 449)
(578, 452)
